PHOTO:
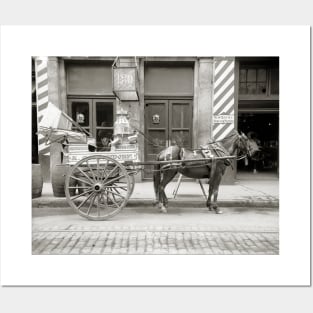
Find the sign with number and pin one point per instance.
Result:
(124, 79)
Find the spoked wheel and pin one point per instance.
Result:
(102, 187)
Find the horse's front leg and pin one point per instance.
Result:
(163, 200)
(214, 204)
(213, 190)
(208, 203)
(167, 177)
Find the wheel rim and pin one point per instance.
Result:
(101, 187)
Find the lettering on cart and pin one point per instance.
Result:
(121, 157)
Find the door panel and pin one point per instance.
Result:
(180, 123)
(167, 122)
(156, 127)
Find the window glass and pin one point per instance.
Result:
(261, 75)
(104, 114)
(251, 88)
(251, 77)
(275, 81)
(80, 113)
(243, 75)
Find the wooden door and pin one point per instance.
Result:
(180, 123)
(156, 130)
(167, 122)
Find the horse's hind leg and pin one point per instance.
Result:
(156, 184)
(167, 177)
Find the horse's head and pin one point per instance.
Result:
(245, 147)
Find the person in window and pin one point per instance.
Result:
(105, 138)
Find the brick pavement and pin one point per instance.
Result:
(153, 240)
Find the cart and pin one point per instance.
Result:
(99, 185)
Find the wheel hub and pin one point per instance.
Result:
(97, 187)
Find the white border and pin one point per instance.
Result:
(290, 43)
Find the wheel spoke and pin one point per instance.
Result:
(85, 175)
(115, 193)
(91, 204)
(113, 200)
(79, 179)
(84, 201)
(110, 173)
(98, 204)
(113, 180)
(81, 194)
(120, 187)
(78, 187)
(98, 172)
(94, 177)
(103, 171)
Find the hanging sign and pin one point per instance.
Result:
(125, 83)
(223, 119)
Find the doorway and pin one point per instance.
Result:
(264, 127)
(167, 122)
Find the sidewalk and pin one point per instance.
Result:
(248, 191)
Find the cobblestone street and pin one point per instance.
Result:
(188, 241)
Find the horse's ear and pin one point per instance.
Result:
(244, 136)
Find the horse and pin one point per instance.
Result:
(211, 169)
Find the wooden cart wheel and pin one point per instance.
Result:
(102, 187)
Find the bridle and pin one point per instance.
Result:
(244, 155)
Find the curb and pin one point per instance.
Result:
(53, 202)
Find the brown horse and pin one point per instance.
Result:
(213, 170)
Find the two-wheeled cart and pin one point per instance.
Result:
(99, 185)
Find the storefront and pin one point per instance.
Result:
(181, 100)
(258, 110)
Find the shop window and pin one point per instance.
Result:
(253, 81)
(275, 81)
(259, 82)
(96, 116)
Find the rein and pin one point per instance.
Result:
(148, 139)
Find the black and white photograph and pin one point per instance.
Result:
(155, 155)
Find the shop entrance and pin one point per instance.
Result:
(264, 128)
(167, 122)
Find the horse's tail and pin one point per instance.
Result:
(156, 180)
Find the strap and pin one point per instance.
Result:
(213, 168)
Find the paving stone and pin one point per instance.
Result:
(153, 240)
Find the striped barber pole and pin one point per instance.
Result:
(41, 68)
(223, 97)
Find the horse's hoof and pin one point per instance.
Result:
(155, 203)
(209, 208)
(218, 211)
(163, 209)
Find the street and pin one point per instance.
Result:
(141, 229)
